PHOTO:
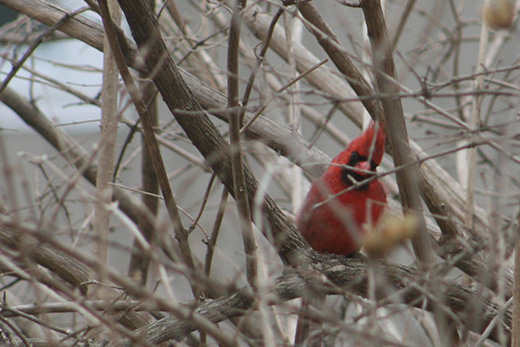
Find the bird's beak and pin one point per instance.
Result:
(365, 166)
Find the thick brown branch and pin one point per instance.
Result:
(330, 43)
(192, 118)
(344, 275)
(72, 271)
(408, 178)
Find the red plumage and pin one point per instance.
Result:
(335, 226)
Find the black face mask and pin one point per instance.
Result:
(348, 174)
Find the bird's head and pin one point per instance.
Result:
(362, 156)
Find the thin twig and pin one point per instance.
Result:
(212, 242)
(236, 153)
(41, 38)
(203, 204)
(256, 67)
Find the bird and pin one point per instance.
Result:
(338, 207)
(342, 202)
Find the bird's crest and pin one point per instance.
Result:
(367, 146)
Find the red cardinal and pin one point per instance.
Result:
(333, 223)
(332, 220)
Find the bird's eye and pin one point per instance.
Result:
(354, 157)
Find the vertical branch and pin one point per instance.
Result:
(294, 116)
(105, 171)
(498, 247)
(139, 262)
(475, 124)
(516, 295)
(407, 178)
(294, 122)
(151, 142)
(236, 155)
